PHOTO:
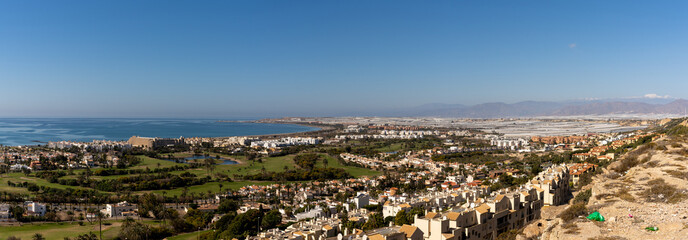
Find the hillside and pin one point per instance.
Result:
(645, 188)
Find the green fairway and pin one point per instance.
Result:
(5, 188)
(213, 187)
(271, 164)
(245, 167)
(148, 162)
(354, 171)
(58, 231)
(187, 236)
(20, 177)
(391, 148)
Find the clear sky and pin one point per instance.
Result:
(270, 58)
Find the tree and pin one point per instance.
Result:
(91, 211)
(70, 215)
(401, 218)
(51, 216)
(133, 230)
(228, 205)
(100, 216)
(243, 225)
(150, 202)
(87, 236)
(197, 218)
(374, 221)
(18, 212)
(38, 236)
(306, 161)
(209, 164)
(271, 220)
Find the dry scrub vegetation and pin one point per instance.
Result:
(660, 191)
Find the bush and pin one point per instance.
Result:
(571, 228)
(625, 195)
(583, 196)
(678, 130)
(647, 158)
(508, 235)
(653, 164)
(660, 191)
(626, 163)
(573, 212)
(585, 179)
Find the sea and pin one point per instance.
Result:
(38, 131)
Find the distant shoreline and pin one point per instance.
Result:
(319, 128)
(42, 131)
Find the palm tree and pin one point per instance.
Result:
(100, 216)
(209, 164)
(38, 236)
(70, 213)
(163, 216)
(89, 210)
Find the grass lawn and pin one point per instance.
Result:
(5, 188)
(212, 186)
(20, 177)
(59, 231)
(153, 163)
(391, 148)
(178, 154)
(354, 171)
(273, 164)
(187, 236)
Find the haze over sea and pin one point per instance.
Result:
(33, 131)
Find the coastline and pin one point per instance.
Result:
(320, 128)
(88, 130)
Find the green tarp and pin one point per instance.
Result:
(596, 216)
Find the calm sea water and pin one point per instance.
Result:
(32, 131)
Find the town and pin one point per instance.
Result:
(348, 181)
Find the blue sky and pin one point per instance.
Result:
(271, 58)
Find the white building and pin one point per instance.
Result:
(4, 212)
(35, 209)
(119, 210)
(361, 200)
(316, 212)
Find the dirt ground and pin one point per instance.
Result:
(652, 194)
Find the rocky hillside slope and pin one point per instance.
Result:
(648, 187)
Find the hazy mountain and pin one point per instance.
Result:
(430, 109)
(679, 106)
(535, 108)
(601, 108)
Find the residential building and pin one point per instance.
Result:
(121, 209)
(35, 209)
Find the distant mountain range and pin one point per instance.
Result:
(535, 108)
